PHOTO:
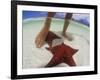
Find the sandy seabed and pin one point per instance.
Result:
(38, 57)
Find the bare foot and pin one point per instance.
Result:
(40, 39)
(68, 36)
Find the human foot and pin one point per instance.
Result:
(68, 36)
(40, 39)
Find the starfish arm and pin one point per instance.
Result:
(54, 61)
(69, 50)
(70, 61)
(57, 58)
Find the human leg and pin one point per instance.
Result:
(40, 38)
(68, 16)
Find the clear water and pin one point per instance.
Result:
(38, 58)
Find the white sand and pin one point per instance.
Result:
(35, 58)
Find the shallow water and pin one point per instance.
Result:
(36, 58)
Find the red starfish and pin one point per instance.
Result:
(61, 53)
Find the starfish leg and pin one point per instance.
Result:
(54, 61)
(70, 61)
(68, 56)
(57, 58)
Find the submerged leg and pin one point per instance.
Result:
(66, 24)
(40, 38)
